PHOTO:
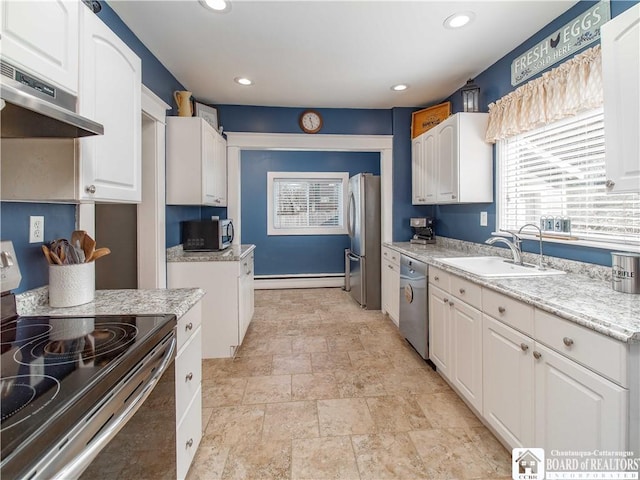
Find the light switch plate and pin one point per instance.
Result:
(483, 219)
(36, 229)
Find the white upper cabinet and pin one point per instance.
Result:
(451, 163)
(196, 163)
(110, 92)
(42, 37)
(621, 76)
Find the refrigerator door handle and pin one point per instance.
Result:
(353, 257)
(347, 271)
(352, 206)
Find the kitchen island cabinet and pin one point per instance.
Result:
(227, 277)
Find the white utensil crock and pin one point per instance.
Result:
(71, 285)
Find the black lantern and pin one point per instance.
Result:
(470, 97)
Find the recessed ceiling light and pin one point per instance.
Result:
(459, 19)
(243, 81)
(400, 87)
(219, 6)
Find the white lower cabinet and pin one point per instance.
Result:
(508, 382)
(577, 409)
(537, 380)
(188, 388)
(455, 328)
(391, 283)
(228, 304)
(543, 381)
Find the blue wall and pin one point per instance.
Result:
(59, 222)
(293, 254)
(463, 221)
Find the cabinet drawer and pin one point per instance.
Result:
(188, 370)
(391, 255)
(188, 324)
(466, 291)
(517, 314)
(188, 436)
(440, 278)
(246, 265)
(598, 352)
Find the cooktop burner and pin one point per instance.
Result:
(53, 370)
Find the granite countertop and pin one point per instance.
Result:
(234, 253)
(583, 296)
(177, 301)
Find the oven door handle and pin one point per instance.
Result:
(80, 463)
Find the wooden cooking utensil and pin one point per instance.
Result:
(47, 255)
(55, 258)
(89, 246)
(100, 252)
(77, 238)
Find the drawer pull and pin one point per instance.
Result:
(190, 443)
(445, 300)
(390, 267)
(524, 347)
(188, 326)
(436, 278)
(189, 377)
(567, 341)
(462, 291)
(502, 309)
(537, 355)
(451, 304)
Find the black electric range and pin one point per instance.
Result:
(57, 371)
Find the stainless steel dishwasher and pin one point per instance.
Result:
(414, 314)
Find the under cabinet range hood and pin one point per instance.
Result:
(32, 108)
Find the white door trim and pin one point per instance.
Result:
(152, 251)
(238, 141)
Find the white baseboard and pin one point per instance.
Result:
(274, 282)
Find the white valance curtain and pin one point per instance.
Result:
(573, 87)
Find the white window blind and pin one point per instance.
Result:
(306, 203)
(559, 170)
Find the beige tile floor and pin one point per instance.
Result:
(322, 389)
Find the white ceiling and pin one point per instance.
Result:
(331, 53)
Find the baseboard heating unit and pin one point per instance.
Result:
(305, 280)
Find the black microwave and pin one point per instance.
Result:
(206, 235)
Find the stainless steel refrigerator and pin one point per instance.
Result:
(362, 259)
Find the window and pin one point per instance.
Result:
(559, 170)
(306, 203)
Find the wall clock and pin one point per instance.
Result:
(310, 121)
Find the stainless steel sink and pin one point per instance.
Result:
(497, 267)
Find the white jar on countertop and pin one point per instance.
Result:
(71, 285)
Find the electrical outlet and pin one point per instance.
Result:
(36, 229)
(483, 219)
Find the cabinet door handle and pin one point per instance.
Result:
(188, 326)
(524, 347)
(445, 300)
(436, 278)
(453, 196)
(567, 341)
(189, 377)
(609, 183)
(390, 267)
(90, 189)
(462, 291)
(537, 355)
(502, 309)
(190, 443)
(451, 304)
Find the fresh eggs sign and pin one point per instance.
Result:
(578, 33)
